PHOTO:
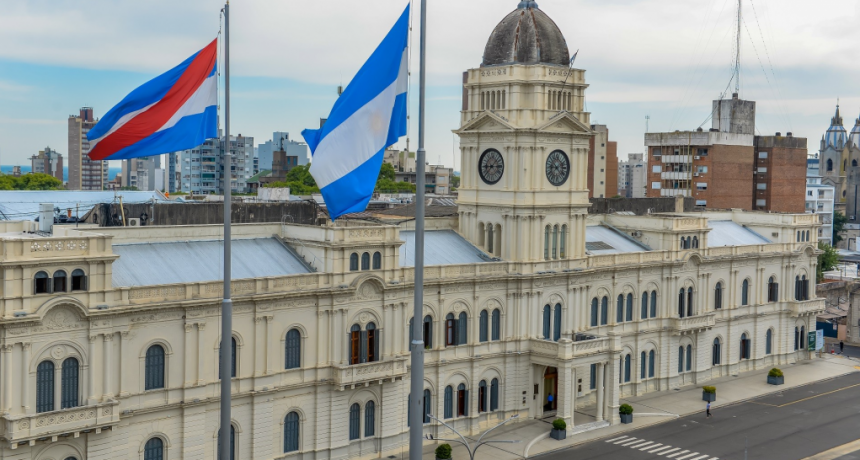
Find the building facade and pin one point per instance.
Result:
(632, 176)
(780, 166)
(143, 173)
(202, 168)
(84, 174)
(49, 162)
(819, 201)
(110, 336)
(602, 164)
(281, 141)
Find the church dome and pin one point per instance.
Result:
(526, 36)
(836, 134)
(854, 137)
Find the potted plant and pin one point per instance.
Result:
(775, 377)
(709, 394)
(559, 429)
(443, 452)
(626, 411)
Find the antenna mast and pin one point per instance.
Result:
(738, 52)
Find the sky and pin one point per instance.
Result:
(665, 59)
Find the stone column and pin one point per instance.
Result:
(122, 369)
(566, 393)
(600, 392)
(7, 389)
(612, 391)
(106, 367)
(271, 342)
(91, 371)
(387, 335)
(25, 376)
(200, 351)
(189, 357)
(488, 229)
(518, 249)
(259, 346)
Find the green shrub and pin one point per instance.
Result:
(443, 451)
(711, 390)
(625, 409)
(559, 424)
(775, 373)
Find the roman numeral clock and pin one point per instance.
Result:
(557, 168)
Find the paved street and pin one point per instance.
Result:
(792, 425)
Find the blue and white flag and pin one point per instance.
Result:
(367, 118)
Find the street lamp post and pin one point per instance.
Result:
(480, 442)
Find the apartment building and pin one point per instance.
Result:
(84, 174)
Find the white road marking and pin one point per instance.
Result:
(700, 458)
(677, 453)
(617, 439)
(688, 456)
(626, 440)
(652, 448)
(667, 451)
(641, 444)
(634, 441)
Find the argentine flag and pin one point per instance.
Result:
(367, 118)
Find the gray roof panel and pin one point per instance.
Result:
(617, 242)
(441, 247)
(24, 204)
(729, 233)
(149, 264)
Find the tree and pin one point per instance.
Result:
(129, 188)
(301, 174)
(827, 260)
(32, 181)
(455, 182)
(386, 172)
(296, 187)
(839, 221)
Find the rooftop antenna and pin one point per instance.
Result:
(737, 69)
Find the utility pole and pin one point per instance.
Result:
(226, 365)
(738, 52)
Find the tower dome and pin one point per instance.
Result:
(526, 36)
(836, 134)
(854, 137)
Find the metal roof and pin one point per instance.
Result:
(24, 204)
(441, 247)
(617, 242)
(729, 233)
(148, 264)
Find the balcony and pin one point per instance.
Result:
(566, 349)
(692, 323)
(805, 307)
(363, 374)
(676, 175)
(23, 428)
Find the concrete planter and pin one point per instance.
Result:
(709, 397)
(626, 418)
(558, 435)
(775, 380)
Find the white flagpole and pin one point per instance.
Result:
(226, 364)
(416, 426)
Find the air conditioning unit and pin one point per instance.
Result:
(697, 157)
(696, 175)
(134, 222)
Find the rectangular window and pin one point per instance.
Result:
(762, 155)
(702, 169)
(656, 152)
(761, 186)
(655, 185)
(701, 185)
(702, 152)
(761, 202)
(592, 384)
(701, 202)
(657, 169)
(762, 169)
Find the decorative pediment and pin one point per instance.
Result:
(486, 122)
(564, 122)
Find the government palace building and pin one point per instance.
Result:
(109, 336)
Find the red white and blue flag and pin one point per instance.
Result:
(174, 111)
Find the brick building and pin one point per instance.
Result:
(780, 168)
(602, 164)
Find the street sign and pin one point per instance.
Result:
(819, 339)
(811, 342)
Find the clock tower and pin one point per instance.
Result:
(524, 139)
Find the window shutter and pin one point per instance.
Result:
(362, 354)
(50, 284)
(377, 337)
(466, 408)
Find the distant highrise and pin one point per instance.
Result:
(602, 164)
(632, 175)
(141, 172)
(281, 141)
(49, 162)
(84, 174)
(202, 168)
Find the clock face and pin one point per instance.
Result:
(491, 166)
(557, 168)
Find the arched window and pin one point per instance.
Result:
(652, 358)
(449, 402)
(353, 262)
(372, 345)
(546, 321)
(644, 313)
(462, 400)
(772, 290)
(804, 288)
(365, 261)
(369, 419)
(745, 346)
(844, 165)
(594, 313)
(153, 449)
(629, 307)
(643, 359)
(233, 358)
(802, 337)
(450, 330)
(745, 292)
(428, 332)
(807, 235)
(689, 357)
(427, 406)
(154, 372)
(60, 281)
(680, 359)
(494, 394)
(482, 396)
(377, 260)
(546, 243)
(232, 443)
(853, 163)
(354, 422)
(556, 327)
(355, 344)
(681, 309)
(291, 432)
(45, 386)
(604, 311)
(41, 283)
(716, 353)
(555, 242)
(768, 342)
(70, 372)
(829, 164)
(293, 350)
(463, 329)
(483, 326)
(497, 324)
(689, 301)
(796, 338)
(79, 280)
(695, 242)
(718, 296)
(619, 309)
(627, 368)
(490, 236)
(561, 253)
(653, 304)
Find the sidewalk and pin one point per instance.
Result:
(651, 409)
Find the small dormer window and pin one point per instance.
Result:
(60, 281)
(79, 280)
(42, 283)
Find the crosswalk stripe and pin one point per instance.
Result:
(688, 456)
(617, 439)
(643, 446)
(641, 442)
(663, 448)
(626, 440)
(653, 449)
(668, 451)
(634, 441)
(648, 449)
(677, 453)
(700, 458)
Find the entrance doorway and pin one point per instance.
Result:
(550, 389)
